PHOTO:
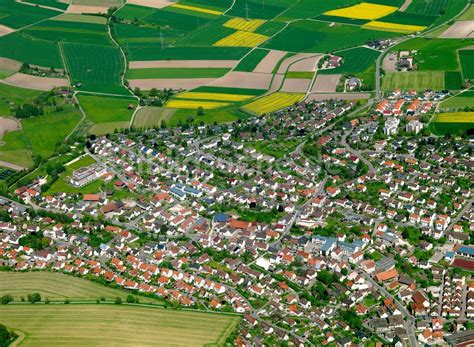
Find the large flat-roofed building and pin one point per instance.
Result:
(87, 174)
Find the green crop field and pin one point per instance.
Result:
(50, 3)
(18, 46)
(16, 15)
(108, 325)
(45, 132)
(15, 149)
(413, 80)
(436, 54)
(250, 62)
(458, 102)
(97, 68)
(453, 80)
(354, 60)
(321, 37)
(69, 31)
(153, 51)
(466, 56)
(409, 18)
(452, 123)
(176, 73)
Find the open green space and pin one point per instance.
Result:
(418, 80)
(176, 73)
(153, 51)
(43, 133)
(11, 96)
(100, 325)
(104, 109)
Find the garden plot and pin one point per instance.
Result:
(35, 82)
(250, 80)
(203, 64)
(326, 83)
(459, 30)
(268, 64)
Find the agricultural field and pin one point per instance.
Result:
(418, 80)
(13, 96)
(107, 109)
(354, 60)
(56, 287)
(14, 149)
(95, 68)
(149, 117)
(16, 15)
(250, 62)
(103, 325)
(452, 80)
(466, 56)
(459, 102)
(273, 102)
(452, 123)
(176, 73)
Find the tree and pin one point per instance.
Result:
(118, 301)
(6, 299)
(5, 336)
(163, 124)
(200, 111)
(131, 299)
(35, 297)
(153, 92)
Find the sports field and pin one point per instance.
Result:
(418, 80)
(113, 325)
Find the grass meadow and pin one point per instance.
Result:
(418, 80)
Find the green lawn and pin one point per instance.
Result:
(43, 133)
(105, 109)
(14, 96)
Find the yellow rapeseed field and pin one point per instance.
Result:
(273, 102)
(194, 104)
(244, 24)
(213, 96)
(196, 9)
(363, 10)
(242, 39)
(456, 117)
(393, 27)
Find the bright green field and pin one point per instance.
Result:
(250, 62)
(418, 80)
(176, 73)
(16, 15)
(113, 325)
(466, 56)
(354, 60)
(104, 109)
(97, 68)
(45, 132)
(15, 149)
